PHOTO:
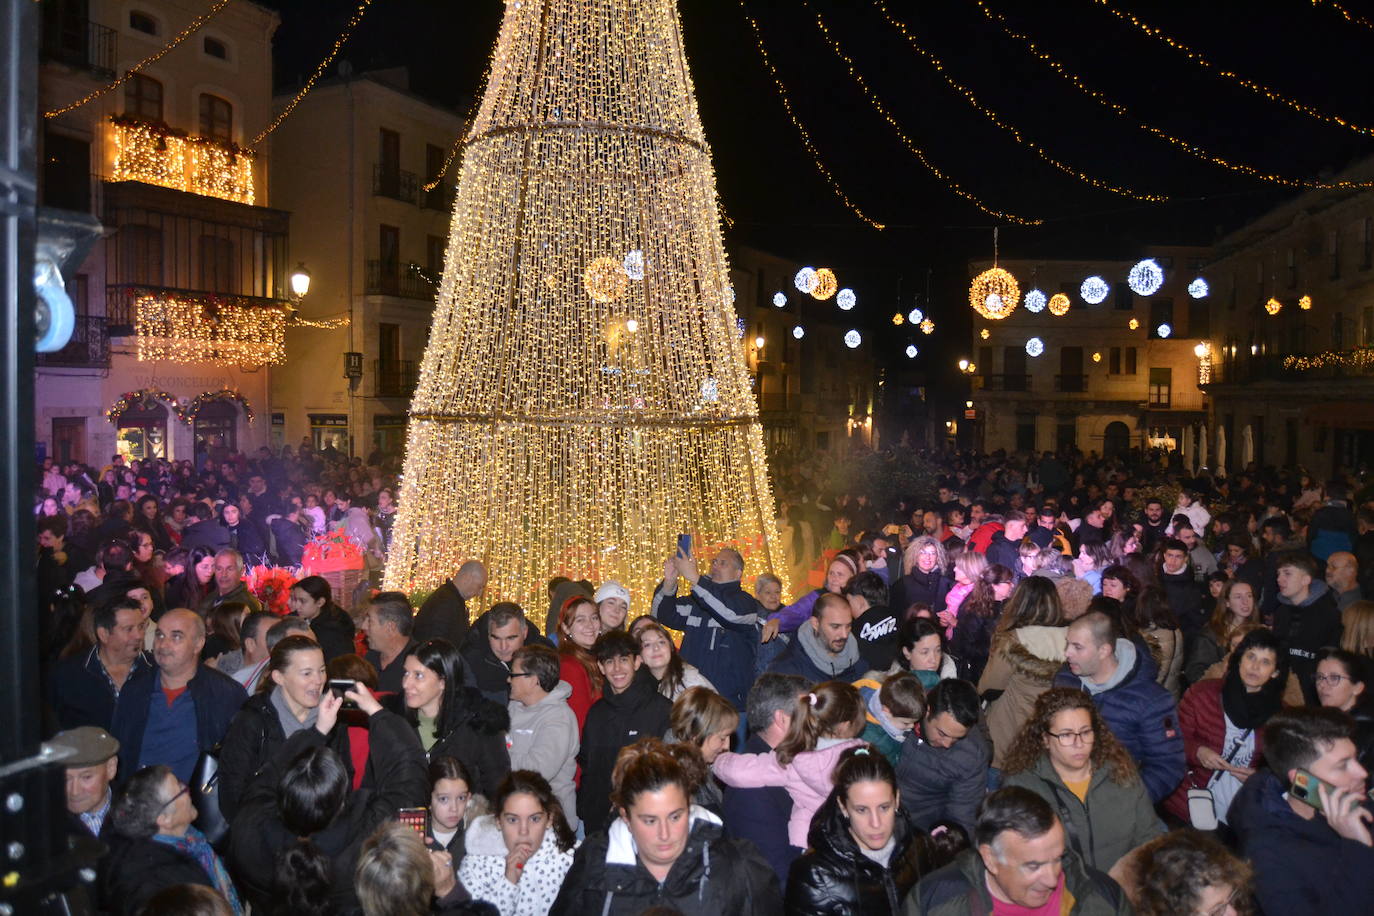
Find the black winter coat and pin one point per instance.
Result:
(334, 629)
(1184, 594)
(290, 539)
(616, 721)
(478, 739)
(714, 876)
(835, 877)
(972, 642)
(927, 588)
(136, 870)
(444, 615)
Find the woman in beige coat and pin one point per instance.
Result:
(1027, 651)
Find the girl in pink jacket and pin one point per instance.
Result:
(824, 724)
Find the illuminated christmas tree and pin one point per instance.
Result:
(583, 398)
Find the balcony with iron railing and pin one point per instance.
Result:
(394, 183)
(1007, 382)
(1071, 383)
(80, 43)
(441, 198)
(396, 378)
(89, 347)
(121, 303)
(388, 278)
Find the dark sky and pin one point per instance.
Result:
(779, 202)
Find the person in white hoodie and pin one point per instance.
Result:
(543, 734)
(517, 858)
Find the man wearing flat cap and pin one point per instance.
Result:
(90, 770)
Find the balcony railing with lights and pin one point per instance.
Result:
(187, 326)
(159, 155)
(89, 347)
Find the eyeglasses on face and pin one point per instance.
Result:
(1068, 739)
(515, 674)
(168, 803)
(1331, 680)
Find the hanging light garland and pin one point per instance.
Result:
(1133, 324)
(911, 351)
(826, 284)
(1163, 331)
(1094, 290)
(208, 328)
(1146, 277)
(1035, 346)
(798, 332)
(142, 399)
(1097, 356)
(1273, 306)
(1345, 13)
(1059, 305)
(1361, 359)
(985, 333)
(605, 280)
(898, 319)
(1035, 301)
(1199, 289)
(846, 299)
(633, 265)
(805, 280)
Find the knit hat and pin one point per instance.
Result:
(89, 745)
(612, 589)
(1074, 595)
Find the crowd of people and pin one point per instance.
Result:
(1052, 685)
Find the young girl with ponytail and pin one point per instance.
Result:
(824, 724)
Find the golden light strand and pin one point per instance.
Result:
(181, 36)
(801, 129)
(461, 140)
(1345, 13)
(1361, 358)
(886, 115)
(1117, 108)
(968, 95)
(319, 71)
(1255, 87)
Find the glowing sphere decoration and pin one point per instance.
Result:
(779, 299)
(994, 294)
(1035, 301)
(915, 316)
(911, 351)
(1133, 324)
(805, 280)
(1146, 277)
(1097, 356)
(633, 264)
(798, 332)
(927, 327)
(604, 280)
(826, 284)
(985, 333)
(1164, 330)
(1035, 346)
(1094, 290)
(852, 338)
(1273, 306)
(898, 320)
(846, 299)
(1059, 305)
(1199, 289)
(631, 325)
(1305, 303)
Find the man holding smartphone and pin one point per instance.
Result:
(1314, 855)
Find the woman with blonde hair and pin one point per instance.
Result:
(927, 578)
(1234, 609)
(705, 720)
(1067, 755)
(967, 568)
(1358, 623)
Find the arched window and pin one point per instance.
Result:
(216, 48)
(216, 117)
(143, 97)
(143, 22)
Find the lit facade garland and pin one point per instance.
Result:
(846, 299)
(192, 410)
(826, 284)
(798, 332)
(968, 96)
(1133, 324)
(780, 299)
(1146, 277)
(1199, 289)
(605, 280)
(985, 333)
(1097, 356)
(1163, 331)
(1305, 303)
(994, 294)
(1345, 13)
(633, 265)
(1059, 305)
(1120, 110)
(1035, 346)
(530, 405)
(1361, 359)
(1094, 290)
(927, 326)
(143, 398)
(1273, 306)
(1035, 301)
(899, 319)
(207, 328)
(157, 155)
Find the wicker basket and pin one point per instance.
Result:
(348, 586)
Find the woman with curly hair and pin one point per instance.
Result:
(1068, 756)
(927, 578)
(1185, 872)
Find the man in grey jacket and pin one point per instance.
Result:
(943, 772)
(824, 648)
(543, 728)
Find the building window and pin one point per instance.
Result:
(1124, 299)
(1367, 243)
(1161, 312)
(1066, 435)
(216, 117)
(389, 151)
(329, 430)
(1338, 331)
(1199, 318)
(1292, 268)
(218, 265)
(1333, 251)
(389, 245)
(66, 172)
(1367, 327)
(143, 98)
(434, 254)
(1025, 432)
(1121, 361)
(142, 22)
(1161, 381)
(216, 48)
(140, 255)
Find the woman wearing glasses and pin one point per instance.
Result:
(1343, 682)
(1068, 756)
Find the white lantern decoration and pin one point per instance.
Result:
(798, 332)
(911, 351)
(846, 299)
(1035, 346)
(1094, 290)
(1164, 330)
(852, 338)
(1199, 289)
(779, 299)
(805, 280)
(1146, 277)
(634, 264)
(1035, 301)
(915, 316)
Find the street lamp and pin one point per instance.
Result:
(963, 365)
(300, 281)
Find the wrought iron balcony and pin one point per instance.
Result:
(1071, 383)
(387, 278)
(394, 183)
(1007, 382)
(89, 347)
(396, 378)
(78, 42)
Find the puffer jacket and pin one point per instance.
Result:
(478, 740)
(961, 889)
(714, 876)
(835, 877)
(1203, 720)
(483, 872)
(719, 624)
(1022, 666)
(1114, 820)
(941, 783)
(615, 721)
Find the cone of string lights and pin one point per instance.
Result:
(583, 398)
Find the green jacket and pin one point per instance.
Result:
(1115, 820)
(961, 889)
(877, 736)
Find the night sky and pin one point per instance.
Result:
(778, 201)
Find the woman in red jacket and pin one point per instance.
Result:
(1223, 721)
(579, 624)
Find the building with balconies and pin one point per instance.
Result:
(351, 164)
(1105, 377)
(1292, 342)
(182, 306)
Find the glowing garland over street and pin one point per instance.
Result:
(846, 299)
(544, 438)
(852, 339)
(826, 284)
(1035, 346)
(1273, 306)
(805, 280)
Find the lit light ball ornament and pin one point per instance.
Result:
(846, 299)
(826, 284)
(1035, 301)
(1305, 303)
(927, 327)
(1094, 290)
(1163, 331)
(798, 332)
(898, 320)
(852, 339)
(604, 280)
(1199, 289)
(634, 264)
(1035, 346)
(985, 333)
(1097, 356)
(915, 316)
(1133, 324)
(1273, 306)
(1146, 277)
(994, 294)
(805, 280)
(779, 299)
(1059, 305)
(911, 351)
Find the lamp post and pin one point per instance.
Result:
(300, 282)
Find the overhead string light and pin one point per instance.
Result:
(194, 27)
(1122, 111)
(1345, 13)
(1255, 87)
(910, 144)
(995, 118)
(801, 128)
